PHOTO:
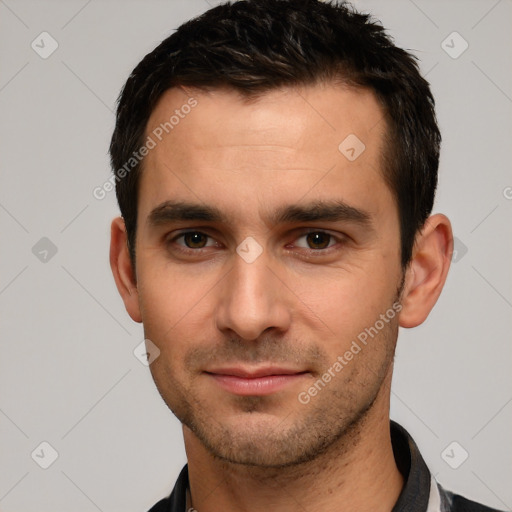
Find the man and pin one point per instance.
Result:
(275, 165)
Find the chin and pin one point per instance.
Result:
(264, 440)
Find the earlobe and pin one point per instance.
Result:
(122, 269)
(427, 271)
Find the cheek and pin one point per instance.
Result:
(175, 306)
(162, 305)
(166, 294)
(346, 313)
(345, 301)
(159, 304)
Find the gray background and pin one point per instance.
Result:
(68, 373)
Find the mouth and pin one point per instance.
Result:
(257, 381)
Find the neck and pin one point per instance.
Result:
(358, 472)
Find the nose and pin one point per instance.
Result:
(253, 299)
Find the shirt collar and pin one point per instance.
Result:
(417, 479)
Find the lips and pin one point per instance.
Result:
(255, 381)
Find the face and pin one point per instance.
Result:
(267, 253)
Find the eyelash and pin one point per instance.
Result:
(310, 252)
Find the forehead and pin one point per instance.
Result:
(224, 116)
(212, 144)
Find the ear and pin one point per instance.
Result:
(124, 273)
(427, 271)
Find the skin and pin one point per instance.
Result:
(300, 304)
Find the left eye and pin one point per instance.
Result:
(317, 240)
(195, 240)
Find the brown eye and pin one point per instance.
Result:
(318, 240)
(195, 240)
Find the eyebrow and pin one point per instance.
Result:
(171, 211)
(327, 211)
